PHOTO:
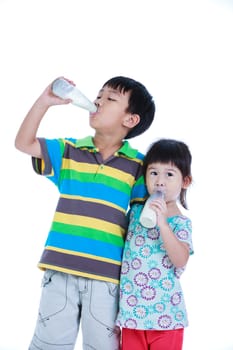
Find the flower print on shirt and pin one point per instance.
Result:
(150, 292)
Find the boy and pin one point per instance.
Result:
(97, 177)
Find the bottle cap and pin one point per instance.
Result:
(159, 193)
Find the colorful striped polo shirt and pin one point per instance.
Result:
(87, 234)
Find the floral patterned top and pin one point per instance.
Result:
(151, 296)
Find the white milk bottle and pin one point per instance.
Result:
(148, 217)
(62, 88)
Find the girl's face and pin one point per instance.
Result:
(166, 177)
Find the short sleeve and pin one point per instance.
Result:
(50, 164)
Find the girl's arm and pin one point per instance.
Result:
(178, 251)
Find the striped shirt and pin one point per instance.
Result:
(87, 234)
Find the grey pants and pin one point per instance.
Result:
(65, 301)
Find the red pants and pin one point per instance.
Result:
(133, 339)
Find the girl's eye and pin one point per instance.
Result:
(170, 174)
(111, 99)
(154, 173)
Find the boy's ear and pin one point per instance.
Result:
(187, 181)
(131, 120)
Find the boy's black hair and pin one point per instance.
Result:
(140, 102)
(176, 152)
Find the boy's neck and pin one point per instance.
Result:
(107, 147)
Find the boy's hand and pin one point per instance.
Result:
(47, 98)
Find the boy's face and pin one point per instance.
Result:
(111, 110)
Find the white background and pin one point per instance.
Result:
(182, 52)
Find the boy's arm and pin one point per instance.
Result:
(26, 139)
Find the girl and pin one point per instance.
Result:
(152, 311)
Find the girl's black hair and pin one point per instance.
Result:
(140, 102)
(176, 152)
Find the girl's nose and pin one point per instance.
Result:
(159, 184)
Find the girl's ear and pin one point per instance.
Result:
(187, 181)
(131, 120)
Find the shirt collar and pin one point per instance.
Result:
(85, 142)
(125, 149)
